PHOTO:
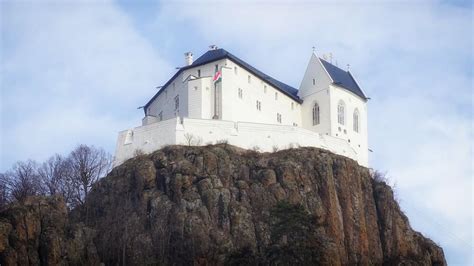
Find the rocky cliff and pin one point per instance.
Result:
(204, 205)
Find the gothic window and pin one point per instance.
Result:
(356, 120)
(341, 112)
(316, 114)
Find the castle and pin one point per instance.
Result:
(221, 98)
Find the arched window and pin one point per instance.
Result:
(340, 112)
(356, 120)
(315, 114)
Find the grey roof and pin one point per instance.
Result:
(218, 54)
(343, 78)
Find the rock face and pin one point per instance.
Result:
(37, 232)
(196, 205)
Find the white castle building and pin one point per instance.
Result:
(221, 98)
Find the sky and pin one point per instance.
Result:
(75, 72)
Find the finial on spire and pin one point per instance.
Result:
(314, 49)
(348, 67)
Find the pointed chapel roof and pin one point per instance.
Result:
(343, 78)
(218, 54)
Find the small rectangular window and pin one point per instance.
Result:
(279, 118)
(240, 93)
(264, 88)
(199, 73)
(217, 68)
(176, 102)
(160, 116)
(314, 81)
(235, 70)
(259, 105)
(276, 95)
(292, 105)
(249, 79)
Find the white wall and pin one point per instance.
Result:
(358, 140)
(242, 134)
(145, 138)
(245, 108)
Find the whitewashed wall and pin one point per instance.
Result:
(259, 136)
(245, 108)
(358, 140)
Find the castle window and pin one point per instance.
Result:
(249, 79)
(316, 114)
(279, 118)
(314, 81)
(176, 102)
(259, 105)
(340, 112)
(241, 93)
(199, 73)
(356, 120)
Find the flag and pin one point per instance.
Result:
(217, 77)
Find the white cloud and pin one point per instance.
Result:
(73, 73)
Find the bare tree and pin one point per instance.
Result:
(22, 180)
(56, 177)
(87, 164)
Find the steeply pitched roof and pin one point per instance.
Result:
(343, 78)
(218, 54)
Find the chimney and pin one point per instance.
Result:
(188, 58)
(212, 47)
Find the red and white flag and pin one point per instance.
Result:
(217, 77)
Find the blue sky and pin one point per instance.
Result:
(75, 72)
